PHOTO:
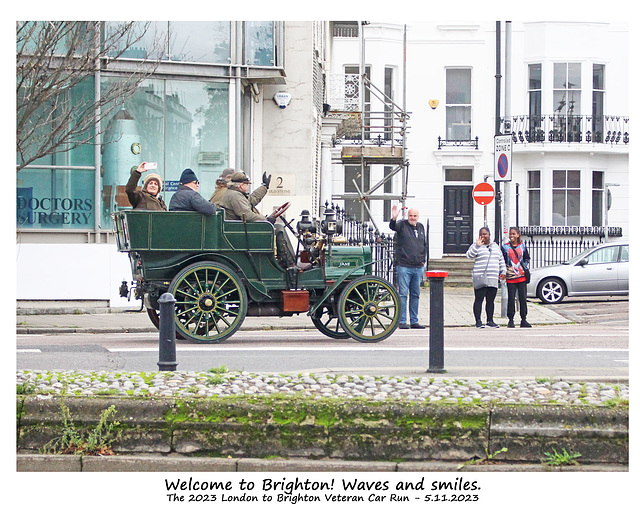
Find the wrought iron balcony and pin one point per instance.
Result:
(373, 120)
(572, 129)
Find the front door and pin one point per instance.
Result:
(458, 219)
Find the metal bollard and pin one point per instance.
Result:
(436, 321)
(167, 330)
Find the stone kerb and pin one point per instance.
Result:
(335, 429)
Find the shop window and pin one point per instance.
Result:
(178, 124)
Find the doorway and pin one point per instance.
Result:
(458, 219)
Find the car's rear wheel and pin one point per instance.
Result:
(551, 290)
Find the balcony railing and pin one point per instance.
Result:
(377, 121)
(572, 129)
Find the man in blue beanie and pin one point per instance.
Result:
(187, 197)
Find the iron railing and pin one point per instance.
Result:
(356, 232)
(546, 252)
(576, 129)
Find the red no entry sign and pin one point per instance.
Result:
(483, 193)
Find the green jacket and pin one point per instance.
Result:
(236, 204)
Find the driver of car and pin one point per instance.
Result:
(239, 204)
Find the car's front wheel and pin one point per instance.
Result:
(551, 290)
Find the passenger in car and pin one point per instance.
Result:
(147, 197)
(239, 204)
(222, 183)
(187, 197)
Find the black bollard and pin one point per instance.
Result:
(167, 341)
(436, 321)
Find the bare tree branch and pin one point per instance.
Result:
(53, 58)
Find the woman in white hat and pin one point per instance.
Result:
(147, 197)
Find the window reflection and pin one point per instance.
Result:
(258, 43)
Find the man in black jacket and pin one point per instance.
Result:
(187, 197)
(411, 254)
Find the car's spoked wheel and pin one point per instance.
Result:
(325, 321)
(211, 302)
(551, 291)
(368, 309)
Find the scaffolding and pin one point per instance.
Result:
(371, 136)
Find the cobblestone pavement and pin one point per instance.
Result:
(419, 389)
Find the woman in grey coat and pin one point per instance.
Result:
(489, 268)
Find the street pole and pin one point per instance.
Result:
(504, 298)
(497, 226)
(167, 333)
(436, 321)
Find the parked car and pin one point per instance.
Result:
(600, 270)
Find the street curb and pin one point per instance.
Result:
(146, 463)
(335, 429)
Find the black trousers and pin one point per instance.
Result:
(521, 289)
(488, 294)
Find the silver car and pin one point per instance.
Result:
(600, 270)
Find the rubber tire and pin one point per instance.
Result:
(187, 288)
(154, 316)
(357, 296)
(322, 322)
(551, 290)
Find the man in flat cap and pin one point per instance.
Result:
(187, 197)
(238, 203)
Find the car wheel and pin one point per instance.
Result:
(551, 290)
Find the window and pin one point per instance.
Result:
(259, 43)
(566, 197)
(597, 198)
(200, 41)
(458, 174)
(458, 107)
(535, 99)
(534, 196)
(58, 191)
(176, 123)
(352, 93)
(353, 207)
(388, 188)
(388, 108)
(597, 107)
(624, 254)
(604, 255)
(567, 102)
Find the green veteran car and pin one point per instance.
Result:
(219, 271)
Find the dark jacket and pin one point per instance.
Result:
(141, 199)
(186, 199)
(411, 250)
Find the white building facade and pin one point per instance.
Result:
(568, 110)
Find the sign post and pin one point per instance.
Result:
(502, 155)
(483, 194)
